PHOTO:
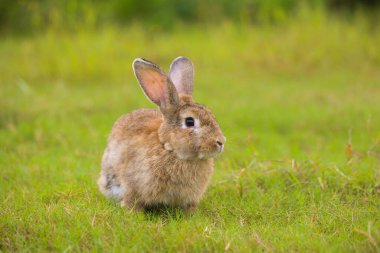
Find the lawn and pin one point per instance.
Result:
(299, 104)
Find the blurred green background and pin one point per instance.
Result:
(28, 16)
(295, 86)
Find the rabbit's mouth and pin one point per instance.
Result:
(211, 153)
(208, 155)
(200, 155)
(212, 149)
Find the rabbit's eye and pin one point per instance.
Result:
(189, 121)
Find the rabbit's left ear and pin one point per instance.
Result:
(182, 75)
(156, 85)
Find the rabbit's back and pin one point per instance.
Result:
(140, 122)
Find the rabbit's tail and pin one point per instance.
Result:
(110, 186)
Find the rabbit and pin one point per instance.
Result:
(162, 156)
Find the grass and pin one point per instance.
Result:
(289, 98)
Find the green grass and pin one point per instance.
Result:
(289, 99)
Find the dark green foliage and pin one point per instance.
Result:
(26, 16)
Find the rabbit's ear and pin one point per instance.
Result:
(156, 85)
(182, 74)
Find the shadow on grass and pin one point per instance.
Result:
(153, 213)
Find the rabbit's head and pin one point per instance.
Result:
(188, 129)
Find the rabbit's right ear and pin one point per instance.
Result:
(156, 85)
(182, 74)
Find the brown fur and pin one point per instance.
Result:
(152, 159)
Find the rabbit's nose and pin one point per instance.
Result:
(219, 143)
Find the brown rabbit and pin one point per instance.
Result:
(164, 156)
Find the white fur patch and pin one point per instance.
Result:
(168, 147)
(115, 191)
(114, 152)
